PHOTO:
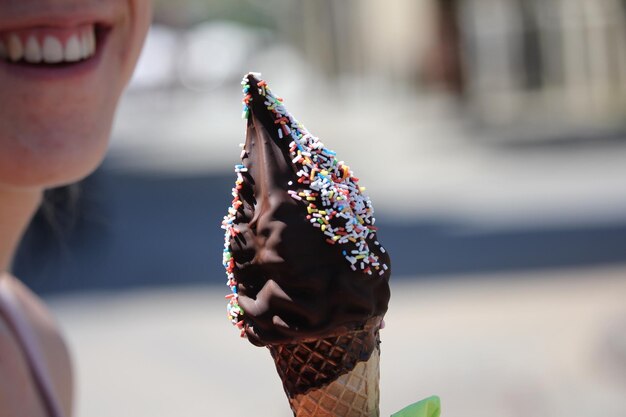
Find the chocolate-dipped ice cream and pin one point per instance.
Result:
(301, 253)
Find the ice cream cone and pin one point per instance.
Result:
(309, 277)
(334, 376)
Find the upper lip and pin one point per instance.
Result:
(55, 18)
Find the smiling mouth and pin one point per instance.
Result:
(51, 46)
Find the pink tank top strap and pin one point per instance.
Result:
(11, 311)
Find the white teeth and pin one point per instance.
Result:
(88, 43)
(16, 51)
(72, 49)
(32, 53)
(52, 50)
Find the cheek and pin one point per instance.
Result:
(139, 18)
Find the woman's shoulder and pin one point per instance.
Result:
(17, 392)
(47, 335)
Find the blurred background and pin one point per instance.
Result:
(491, 135)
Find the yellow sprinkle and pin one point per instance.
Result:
(360, 256)
(362, 189)
(336, 238)
(324, 172)
(323, 227)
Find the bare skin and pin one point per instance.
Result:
(18, 395)
(63, 67)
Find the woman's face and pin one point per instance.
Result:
(63, 66)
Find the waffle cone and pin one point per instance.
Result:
(334, 376)
(354, 394)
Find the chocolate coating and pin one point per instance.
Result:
(292, 284)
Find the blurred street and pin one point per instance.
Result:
(549, 344)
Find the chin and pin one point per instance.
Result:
(54, 156)
(68, 167)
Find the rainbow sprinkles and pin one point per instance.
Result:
(326, 188)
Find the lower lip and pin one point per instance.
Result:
(62, 71)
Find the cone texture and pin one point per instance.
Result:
(335, 376)
(354, 394)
